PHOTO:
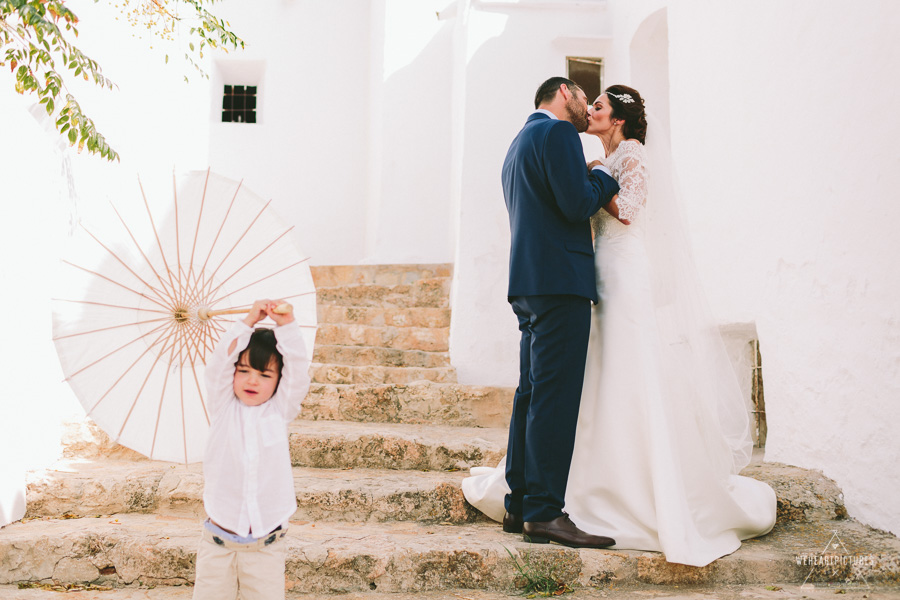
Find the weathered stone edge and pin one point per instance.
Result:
(156, 488)
(345, 562)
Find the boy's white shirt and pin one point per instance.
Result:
(248, 481)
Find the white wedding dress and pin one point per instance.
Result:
(656, 450)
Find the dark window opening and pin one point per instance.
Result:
(239, 104)
(587, 73)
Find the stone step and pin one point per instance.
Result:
(402, 274)
(83, 439)
(382, 357)
(424, 293)
(345, 444)
(153, 550)
(639, 592)
(87, 488)
(803, 494)
(90, 487)
(349, 374)
(376, 316)
(420, 402)
(341, 444)
(428, 339)
(343, 478)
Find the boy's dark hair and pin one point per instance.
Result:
(547, 91)
(261, 350)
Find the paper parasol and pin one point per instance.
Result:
(143, 299)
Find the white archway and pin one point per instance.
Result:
(649, 55)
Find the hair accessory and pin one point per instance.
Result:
(623, 98)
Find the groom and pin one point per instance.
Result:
(550, 196)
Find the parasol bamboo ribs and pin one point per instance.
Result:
(204, 313)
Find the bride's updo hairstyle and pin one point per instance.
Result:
(628, 106)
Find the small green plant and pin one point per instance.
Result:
(62, 587)
(538, 581)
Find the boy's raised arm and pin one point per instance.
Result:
(294, 384)
(219, 374)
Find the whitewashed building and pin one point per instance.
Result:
(380, 128)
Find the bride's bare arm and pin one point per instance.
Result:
(612, 207)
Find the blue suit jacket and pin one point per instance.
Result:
(550, 197)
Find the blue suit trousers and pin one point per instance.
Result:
(553, 349)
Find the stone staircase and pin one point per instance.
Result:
(379, 450)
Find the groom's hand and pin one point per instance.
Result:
(594, 163)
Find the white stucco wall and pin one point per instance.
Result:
(33, 228)
(308, 150)
(784, 126)
(353, 135)
(784, 119)
(410, 210)
(154, 120)
(501, 78)
(382, 134)
(353, 139)
(783, 132)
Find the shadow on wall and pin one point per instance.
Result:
(501, 78)
(649, 57)
(413, 219)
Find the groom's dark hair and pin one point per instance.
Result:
(548, 89)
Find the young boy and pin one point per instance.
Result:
(255, 382)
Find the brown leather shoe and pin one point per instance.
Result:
(512, 523)
(563, 531)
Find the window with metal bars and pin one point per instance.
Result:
(239, 104)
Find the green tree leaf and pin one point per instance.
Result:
(33, 41)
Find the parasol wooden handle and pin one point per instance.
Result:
(204, 313)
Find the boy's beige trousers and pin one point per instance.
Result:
(223, 567)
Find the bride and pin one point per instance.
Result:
(663, 428)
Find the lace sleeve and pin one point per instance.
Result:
(632, 181)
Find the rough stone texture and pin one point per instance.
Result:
(84, 439)
(102, 487)
(403, 557)
(647, 592)
(338, 275)
(327, 444)
(350, 374)
(428, 339)
(397, 529)
(381, 317)
(718, 592)
(387, 357)
(378, 496)
(430, 293)
(91, 488)
(802, 493)
(88, 488)
(113, 551)
(420, 402)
